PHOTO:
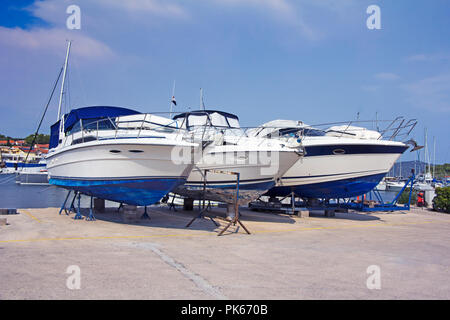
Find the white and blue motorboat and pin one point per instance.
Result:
(339, 162)
(117, 154)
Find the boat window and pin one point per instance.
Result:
(92, 124)
(101, 124)
(195, 120)
(218, 120)
(76, 127)
(234, 123)
(309, 132)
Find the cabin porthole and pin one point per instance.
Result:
(338, 151)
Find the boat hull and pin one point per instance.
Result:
(140, 192)
(254, 181)
(131, 173)
(324, 173)
(343, 188)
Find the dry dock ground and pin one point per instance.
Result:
(285, 257)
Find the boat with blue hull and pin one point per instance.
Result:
(117, 154)
(339, 162)
(344, 188)
(139, 192)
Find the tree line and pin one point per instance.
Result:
(40, 139)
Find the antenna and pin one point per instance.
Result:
(63, 79)
(202, 105)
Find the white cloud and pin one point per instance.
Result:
(54, 11)
(432, 93)
(147, 6)
(282, 10)
(54, 41)
(386, 76)
(427, 57)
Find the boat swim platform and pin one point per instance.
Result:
(285, 257)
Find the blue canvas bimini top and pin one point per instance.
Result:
(93, 112)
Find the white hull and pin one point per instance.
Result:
(332, 167)
(94, 160)
(254, 178)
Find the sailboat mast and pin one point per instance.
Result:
(171, 100)
(63, 80)
(434, 156)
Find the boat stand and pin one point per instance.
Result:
(204, 208)
(236, 207)
(145, 215)
(78, 215)
(63, 207)
(172, 204)
(382, 206)
(91, 214)
(72, 204)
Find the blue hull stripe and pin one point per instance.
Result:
(117, 178)
(141, 192)
(329, 175)
(218, 182)
(344, 188)
(260, 186)
(353, 149)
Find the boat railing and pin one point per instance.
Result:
(120, 127)
(393, 129)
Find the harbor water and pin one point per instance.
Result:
(14, 195)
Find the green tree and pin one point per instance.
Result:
(441, 201)
(40, 138)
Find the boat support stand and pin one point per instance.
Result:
(63, 207)
(78, 215)
(235, 219)
(204, 208)
(91, 212)
(145, 215)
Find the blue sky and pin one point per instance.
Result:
(310, 60)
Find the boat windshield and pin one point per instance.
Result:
(216, 119)
(305, 131)
(92, 124)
